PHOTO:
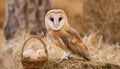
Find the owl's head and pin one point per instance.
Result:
(55, 19)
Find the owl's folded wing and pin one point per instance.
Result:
(78, 48)
(73, 32)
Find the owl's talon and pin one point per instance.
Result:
(64, 57)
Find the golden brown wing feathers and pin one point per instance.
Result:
(75, 46)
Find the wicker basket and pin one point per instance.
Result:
(34, 64)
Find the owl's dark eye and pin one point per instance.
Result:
(52, 19)
(60, 19)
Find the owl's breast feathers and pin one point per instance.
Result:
(73, 42)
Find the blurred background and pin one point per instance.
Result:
(86, 16)
(97, 21)
(2, 19)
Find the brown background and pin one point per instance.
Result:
(102, 16)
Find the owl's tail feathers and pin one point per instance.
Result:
(84, 52)
(80, 51)
(87, 57)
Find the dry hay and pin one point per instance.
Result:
(101, 52)
(12, 49)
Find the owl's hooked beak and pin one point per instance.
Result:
(56, 25)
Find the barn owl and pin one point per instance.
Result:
(64, 35)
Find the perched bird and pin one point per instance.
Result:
(64, 35)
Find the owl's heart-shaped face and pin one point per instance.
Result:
(55, 19)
